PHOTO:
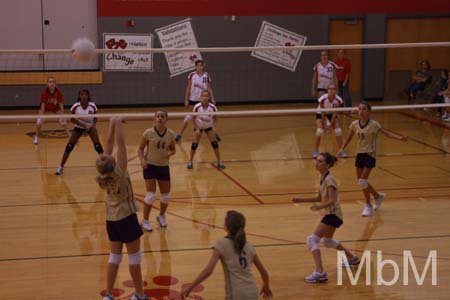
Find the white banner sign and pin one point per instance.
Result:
(179, 35)
(273, 36)
(142, 62)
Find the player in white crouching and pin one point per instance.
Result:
(327, 120)
(205, 123)
(85, 109)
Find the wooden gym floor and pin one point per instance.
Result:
(54, 243)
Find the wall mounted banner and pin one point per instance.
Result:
(133, 62)
(273, 36)
(179, 35)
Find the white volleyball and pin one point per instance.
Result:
(83, 50)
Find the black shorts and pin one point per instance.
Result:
(125, 230)
(332, 220)
(365, 160)
(204, 130)
(78, 129)
(322, 90)
(193, 103)
(158, 172)
(329, 116)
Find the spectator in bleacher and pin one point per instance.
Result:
(441, 85)
(420, 79)
(446, 95)
(343, 75)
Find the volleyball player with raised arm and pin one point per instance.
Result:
(121, 220)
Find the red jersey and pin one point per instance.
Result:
(52, 101)
(344, 68)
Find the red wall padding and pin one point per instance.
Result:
(265, 7)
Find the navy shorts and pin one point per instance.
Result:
(365, 160)
(125, 230)
(79, 130)
(332, 220)
(329, 116)
(158, 172)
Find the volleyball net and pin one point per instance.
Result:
(237, 77)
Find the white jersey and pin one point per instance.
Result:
(325, 102)
(77, 109)
(199, 83)
(325, 74)
(204, 121)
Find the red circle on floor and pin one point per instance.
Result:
(165, 280)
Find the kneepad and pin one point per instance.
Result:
(69, 147)
(329, 243)
(114, 258)
(320, 132)
(187, 119)
(165, 197)
(313, 242)
(135, 258)
(363, 183)
(215, 144)
(338, 131)
(194, 146)
(149, 198)
(98, 147)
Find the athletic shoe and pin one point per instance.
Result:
(161, 220)
(108, 297)
(315, 153)
(178, 138)
(59, 170)
(317, 277)
(354, 261)
(35, 140)
(218, 139)
(136, 297)
(189, 165)
(445, 116)
(446, 119)
(344, 154)
(220, 165)
(379, 200)
(146, 225)
(367, 211)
